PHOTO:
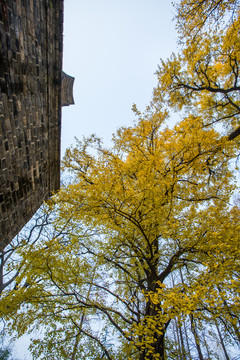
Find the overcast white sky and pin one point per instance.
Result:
(112, 48)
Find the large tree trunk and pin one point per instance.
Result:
(159, 349)
(158, 344)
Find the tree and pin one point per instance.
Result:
(194, 16)
(37, 228)
(137, 213)
(204, 79)
(145, 239)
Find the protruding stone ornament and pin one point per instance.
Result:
(67, 89)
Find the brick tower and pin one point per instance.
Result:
(30, 108)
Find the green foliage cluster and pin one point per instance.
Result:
(4, 354)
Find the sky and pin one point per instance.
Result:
(112, 48)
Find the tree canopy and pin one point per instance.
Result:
(137, 214)
(193, 16)
(204, 78)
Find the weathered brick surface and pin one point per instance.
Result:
(30, 108)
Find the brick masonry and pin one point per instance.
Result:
(30, 108)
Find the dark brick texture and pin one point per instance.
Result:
(30, 108)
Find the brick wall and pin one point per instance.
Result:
(30, 108)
